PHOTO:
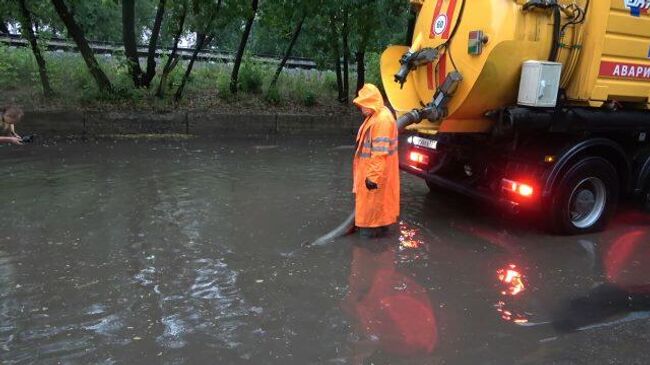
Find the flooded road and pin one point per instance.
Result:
(191, 252)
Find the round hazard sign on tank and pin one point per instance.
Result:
(440, 24)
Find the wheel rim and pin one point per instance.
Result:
(587, 202)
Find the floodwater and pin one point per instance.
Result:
(169, 252)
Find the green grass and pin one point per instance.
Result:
(208, 86)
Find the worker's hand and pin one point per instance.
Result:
(15, 140)
(371, 185)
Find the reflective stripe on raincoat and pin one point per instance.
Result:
(376, 159)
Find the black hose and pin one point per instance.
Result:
(343, 229)
(555, 49)
(577, 19)
(453, 33)
(460, 18)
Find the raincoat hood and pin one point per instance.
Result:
(370, 97)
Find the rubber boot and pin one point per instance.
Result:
(370, 233)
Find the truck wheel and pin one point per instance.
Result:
(585, 198)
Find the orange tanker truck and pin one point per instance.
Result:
(537, 105)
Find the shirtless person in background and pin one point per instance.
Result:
(9, 116)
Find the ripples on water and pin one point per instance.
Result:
(131, 210)
(211, 305)
(8, 305)
(116, 250)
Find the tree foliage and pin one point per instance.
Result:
(337, 34)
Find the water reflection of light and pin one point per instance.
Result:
(407, 237)
(511, 283)
(389, 308)
(508, 314)
(627, 261)
(512, 279)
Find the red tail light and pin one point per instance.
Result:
(525, 190)
(419, 158)
(518, 188)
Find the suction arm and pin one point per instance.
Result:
(437, 109)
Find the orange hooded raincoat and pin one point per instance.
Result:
(376, 159)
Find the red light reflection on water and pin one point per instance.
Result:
(509, 315)
(512, 283)
(512, 280)
(627, 261)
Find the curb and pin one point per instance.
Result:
(93, 123)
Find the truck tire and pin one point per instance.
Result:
(585, 198)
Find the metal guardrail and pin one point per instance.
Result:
(61, 44)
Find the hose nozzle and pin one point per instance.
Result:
(414, 59)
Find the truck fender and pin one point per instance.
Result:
(603, 147)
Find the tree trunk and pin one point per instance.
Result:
(242, 47)
(337, 59)
(172, 61)
(28, 32)
(360, 57)
(202, 40)
(361, 69)
(339, 78)
(346, 59)
(287, 54)
(130, 44)
(153, 45)
(410, 27)
(77, 34)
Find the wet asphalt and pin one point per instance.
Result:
(170, 252)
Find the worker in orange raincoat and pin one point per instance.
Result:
(376, 165)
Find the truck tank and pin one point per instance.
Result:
(603, 46)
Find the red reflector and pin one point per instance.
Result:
(521, 189)
(419, 158)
